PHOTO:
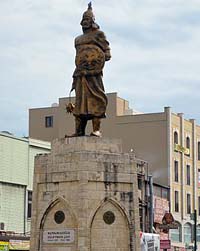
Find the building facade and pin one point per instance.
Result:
(185, 176)
(167, 141)
(16, 177)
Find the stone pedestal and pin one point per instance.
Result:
(85, 197)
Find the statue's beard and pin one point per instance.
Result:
(85, 29)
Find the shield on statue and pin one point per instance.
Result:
(90, 59)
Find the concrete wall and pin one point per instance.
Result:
(37, 129)
(147, 135)
(35, 147)
(16, 177)
(13, 160)
(12, 207)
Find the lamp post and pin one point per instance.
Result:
(194, 218)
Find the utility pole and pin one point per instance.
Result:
(195, 230)
(150, 204)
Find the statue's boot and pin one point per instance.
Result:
(96, 122)
(83, 126)
(80, 125)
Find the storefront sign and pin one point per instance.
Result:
(149, 241)
(168, 222)
(165, 244)
(181, 149)
(19, 245)
(168, 226)
(150, 245)
(58, 236)
(4, 246)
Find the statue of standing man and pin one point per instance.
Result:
(92, 50)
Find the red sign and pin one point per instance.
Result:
(165, 244)
(160, 207)
(168, 218)
(198, 177)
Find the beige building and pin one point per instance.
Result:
(167, 141)
(16, 177)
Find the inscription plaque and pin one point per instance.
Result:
(58, 236)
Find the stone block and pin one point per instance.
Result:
(89, 180)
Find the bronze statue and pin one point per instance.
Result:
(92, 50)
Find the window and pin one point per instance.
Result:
(164, 193)
(176, 171)
(198, 149)
(49, 121)
(2, 226)
(188, 174)
(176, 233)
(29, 204)
(198, 178)
(139, 183)
(175, 137)
(141, 217)
(188, 144)
(160, 191)
(187, 233)
(199, 205)
(188, 203)
(176, 202)
(198, 233)
(157, 191)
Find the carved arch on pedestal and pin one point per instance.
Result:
(111, 224)
(115, 203)
(53, 202)
(47, 221)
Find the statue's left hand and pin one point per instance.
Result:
(73, 86)
(70, 107)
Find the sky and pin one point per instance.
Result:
(154, 45)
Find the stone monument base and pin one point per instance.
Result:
(85, 197)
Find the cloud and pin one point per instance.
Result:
(154, 45)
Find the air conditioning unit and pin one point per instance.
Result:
(2, 226)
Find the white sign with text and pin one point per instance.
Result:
(58, 236)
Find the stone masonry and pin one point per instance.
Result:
(85, 197)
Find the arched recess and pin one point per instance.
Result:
(110, 229)
(175, 137)
(176, 233)
(188, 232)
(58, 217)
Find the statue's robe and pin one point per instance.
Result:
(92, 50)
